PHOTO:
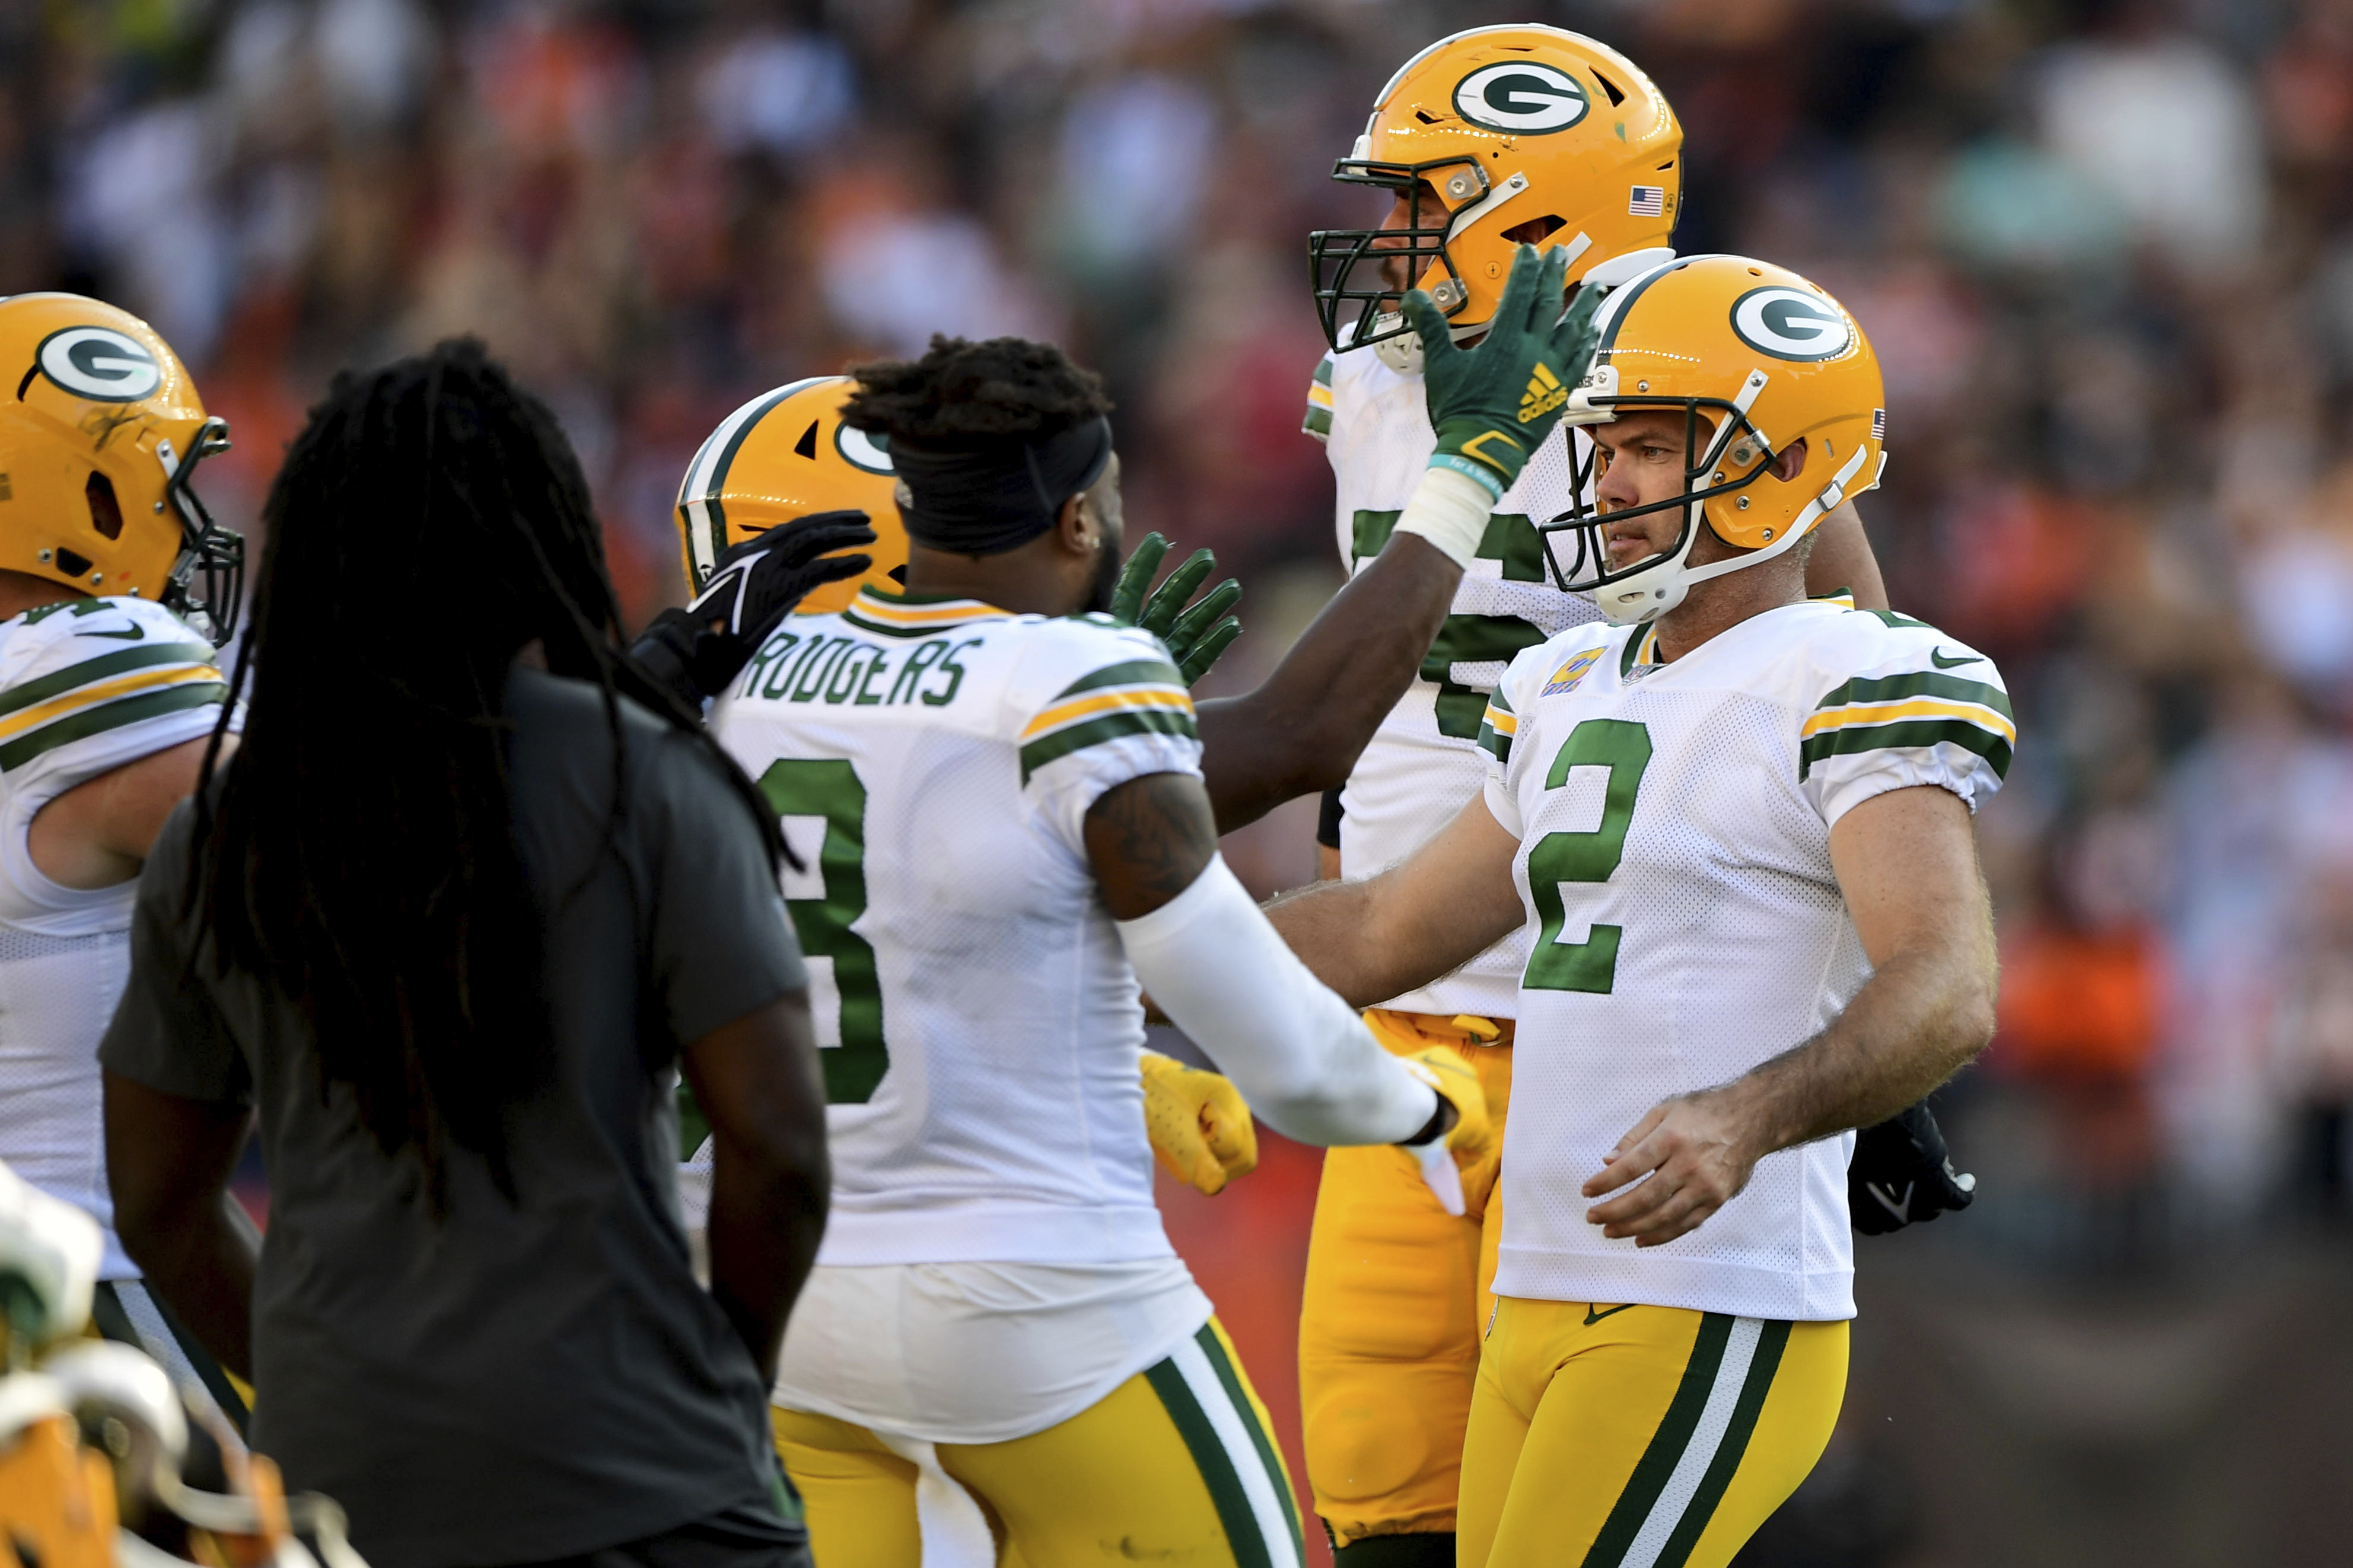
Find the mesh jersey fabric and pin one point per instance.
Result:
(1423, 763)
(934, 762)
(1674, 827)
(86, 686)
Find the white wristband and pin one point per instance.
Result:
(1450, 511)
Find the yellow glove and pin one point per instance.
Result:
(1200, 1126)
(1472, 1136)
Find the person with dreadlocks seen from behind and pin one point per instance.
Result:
(450, 919)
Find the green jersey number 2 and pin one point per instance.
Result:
(1624, 748)
(831, 790)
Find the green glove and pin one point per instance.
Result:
(1194, 636)
(1493, 405)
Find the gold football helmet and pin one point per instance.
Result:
(1756, 359)
(97, 445)
(782, 456)
(1524, 132)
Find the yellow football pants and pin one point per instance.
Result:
(1617, 1436)
(1179, 1464)
(1395, 1303)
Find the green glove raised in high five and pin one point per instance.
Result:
(1194, 636)
(1493, 404)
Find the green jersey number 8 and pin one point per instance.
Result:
(1624, 748)
(832, 792)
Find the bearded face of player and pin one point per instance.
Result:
(1641, 462)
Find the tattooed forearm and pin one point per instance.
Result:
(1148, 838)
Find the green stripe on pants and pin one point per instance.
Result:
(1230, 1376)
(1657, 1466)
(1210, 1458)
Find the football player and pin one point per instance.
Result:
(1731, 826)
(115, 586)
(785, 458)
(1487, 138)
(1002, 806)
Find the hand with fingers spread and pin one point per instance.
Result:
(696, 651)
(1194, 636)
(1199, 1124)
(1493, 405)
(1688, 1158)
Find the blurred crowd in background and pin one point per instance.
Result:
(2105, 249)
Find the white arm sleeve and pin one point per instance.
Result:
(1300, 1054)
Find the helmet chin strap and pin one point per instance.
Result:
(1663, 585)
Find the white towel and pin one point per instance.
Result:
(954, 1532)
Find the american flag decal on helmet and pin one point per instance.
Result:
(1648, 200)
(1879, 424)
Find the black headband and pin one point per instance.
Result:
(986, 501)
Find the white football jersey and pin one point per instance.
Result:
(86, 685)
(1424, 761)
(934, 762)
(1684, 922)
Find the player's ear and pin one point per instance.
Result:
(1791, 460)
(1076, 526)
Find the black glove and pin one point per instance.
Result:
(1197, 636)
(696, 651)
(1902, 1175)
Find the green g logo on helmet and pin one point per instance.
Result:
(1520, 98)
(1791, 324)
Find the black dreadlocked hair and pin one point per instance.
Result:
(965, 391)
(430, 524)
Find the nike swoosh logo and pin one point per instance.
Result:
(1936, 657)
(1592, 1317)
(133, 635)
(1901, 1209)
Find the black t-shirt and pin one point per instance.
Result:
(513, 1382)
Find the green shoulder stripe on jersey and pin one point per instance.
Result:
(1230, 1378)
(90, 669)
(1889, 617)
(1212, 1460)
(1135, 672)
(1909, 734)
(1318, 420)
(1891, 687)
(1490, 741)
(1323, 371)
(1109, 726)
(105, 716)
(1496, 699)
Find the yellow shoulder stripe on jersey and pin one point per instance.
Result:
(1125, 699)
(73, 702)
(1918, 708)
(1319, 394)
(1504, 721)
(32, 721)
(1134, 697)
